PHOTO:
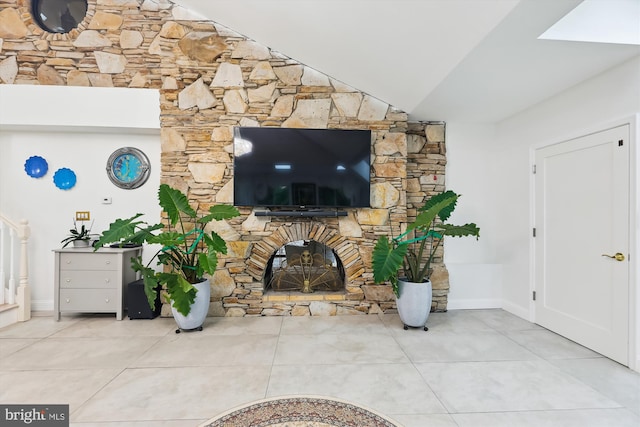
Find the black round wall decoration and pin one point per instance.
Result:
(58, 16)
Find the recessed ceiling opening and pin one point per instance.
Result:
(598, 21)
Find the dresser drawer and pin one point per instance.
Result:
(89, 300)
(88, 279)
(88, 261)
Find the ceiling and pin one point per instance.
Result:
(439, 60)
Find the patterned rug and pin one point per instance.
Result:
(309, 411)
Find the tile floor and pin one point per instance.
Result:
(473, 368)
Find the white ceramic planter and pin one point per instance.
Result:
(81, 243)
(199, 309)
(414, 303)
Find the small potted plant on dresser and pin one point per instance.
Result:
(187, 253)
(81, 238)
(413, 252)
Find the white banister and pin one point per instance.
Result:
(12, 264)
(24, 291)
(3, 231)
(17, 259)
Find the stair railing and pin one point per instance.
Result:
(14, 256)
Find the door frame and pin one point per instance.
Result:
(634, 222)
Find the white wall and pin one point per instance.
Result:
(93, 123)
(501, 177)
(608, 99)
(475, 271)
(75, 106)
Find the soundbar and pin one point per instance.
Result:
(302, 213)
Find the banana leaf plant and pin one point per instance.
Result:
(414, 250)
(187, 252)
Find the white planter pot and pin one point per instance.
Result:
(81, 243)
(199, 309)
(414, 303)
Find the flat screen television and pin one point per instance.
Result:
(301, 168)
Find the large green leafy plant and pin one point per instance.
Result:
(414, 250)
(187, 251)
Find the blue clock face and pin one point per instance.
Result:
(128, 168)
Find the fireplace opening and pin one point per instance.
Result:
(305, 266)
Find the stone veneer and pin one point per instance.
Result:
(212, 79)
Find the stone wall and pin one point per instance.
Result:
(212, 79)
(426, 161)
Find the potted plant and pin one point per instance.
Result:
(187, 253)
(80, 238)
(413, 252)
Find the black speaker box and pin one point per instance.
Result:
(138, 303)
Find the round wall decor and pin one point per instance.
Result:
(64, 178)
(128, 168)
(58, 16)
(36, 166)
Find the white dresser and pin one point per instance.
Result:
(93, 282)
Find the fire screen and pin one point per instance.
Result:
(305, 266)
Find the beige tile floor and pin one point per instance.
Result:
(473, 368)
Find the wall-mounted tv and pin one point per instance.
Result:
(301, 168)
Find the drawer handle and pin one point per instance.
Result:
(68, 300)
(69, 261)
(68, 280)
(107, 280)
(108, 262)
(106, 300)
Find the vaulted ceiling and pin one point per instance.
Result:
(439, 60)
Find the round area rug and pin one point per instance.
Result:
(306, 411)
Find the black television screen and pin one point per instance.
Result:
(301, 168)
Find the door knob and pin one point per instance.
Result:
(618, 256)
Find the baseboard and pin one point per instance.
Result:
(517, 310)
(46, 313)
(8, 315)
(471, 304)
(479, 303)
(42, 305)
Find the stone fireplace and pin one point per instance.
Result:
(211, 79)
(322, 239)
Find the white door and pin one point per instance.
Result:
(581, 219)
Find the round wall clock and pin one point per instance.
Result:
(128, 168)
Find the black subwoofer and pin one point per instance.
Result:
(138, 303)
